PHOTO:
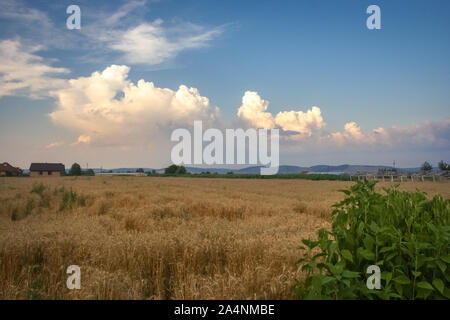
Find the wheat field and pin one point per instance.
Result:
(161, 237)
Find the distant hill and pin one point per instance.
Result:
(286, 169)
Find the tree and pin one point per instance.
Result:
(75, 170)
(174, 169)
(140, 170)
(443, 166)
(426, 166)
(171, 169)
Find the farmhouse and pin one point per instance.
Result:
(47, 169)
(7, 170)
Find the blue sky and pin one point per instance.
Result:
(293, 54)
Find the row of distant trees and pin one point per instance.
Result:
(75, 170)
(443, 166)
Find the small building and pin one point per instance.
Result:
(47, 169)
(7, 170)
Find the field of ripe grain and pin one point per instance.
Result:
(161, 238)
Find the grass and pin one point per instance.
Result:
(162, 238)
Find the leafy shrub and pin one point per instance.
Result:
(404, 233)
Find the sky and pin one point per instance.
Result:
(110, 93)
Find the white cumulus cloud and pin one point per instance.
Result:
(107, 108)
(428, 134)
(254, 111)
(299, 121)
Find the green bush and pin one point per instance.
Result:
(404, 233)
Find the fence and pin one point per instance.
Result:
(400, 177)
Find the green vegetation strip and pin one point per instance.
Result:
(333, 177)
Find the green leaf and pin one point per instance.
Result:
(386, 249)
(346, 282)
(386, 276)
(368, 255)
(401, 279)
(350, 274)
(416, 273)
(441, 265)
(425, 285)
(369, 242)
(438, 284)
(446, 258)
(310, 244)
(326, 280)
(346, 254)
(335, 269)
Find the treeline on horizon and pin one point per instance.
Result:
(180, 171)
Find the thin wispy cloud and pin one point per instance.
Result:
(36, 26)
(152, 43)
(24, 73)
(123, 35)
(54, 145)
(139, 41)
